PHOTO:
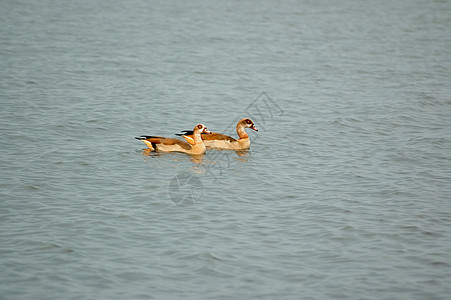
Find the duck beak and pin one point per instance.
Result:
(253, 127)
(206, 130)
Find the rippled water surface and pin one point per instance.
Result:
(345, 193)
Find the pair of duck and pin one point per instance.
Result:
(198, 140)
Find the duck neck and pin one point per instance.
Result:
(241, 133)
(197, 137)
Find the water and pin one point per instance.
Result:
(344, 193)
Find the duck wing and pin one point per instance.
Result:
(165, 141)
(217, 136)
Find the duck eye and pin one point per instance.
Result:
(248, 121)
(199, 126)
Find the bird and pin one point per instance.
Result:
(222, 141)
(164, 144)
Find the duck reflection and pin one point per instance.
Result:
(198, 159)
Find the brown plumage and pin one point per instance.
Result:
(222, 141)
(159, 143)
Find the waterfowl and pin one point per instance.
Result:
(164, 144)
(222, 141)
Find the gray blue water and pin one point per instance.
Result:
(344, 194)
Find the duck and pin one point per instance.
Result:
(222, 141)
(164, 144)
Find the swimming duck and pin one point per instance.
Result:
(164, 144)
(222, 141)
